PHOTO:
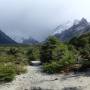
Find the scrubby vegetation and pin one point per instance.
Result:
(12, 62)
(82, 45)
(55, 56)
(14, 58)
(59, 57)
(33, 54)
(7, 73)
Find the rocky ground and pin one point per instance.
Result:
(34, 79)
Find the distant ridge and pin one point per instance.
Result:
(5, 39)
(30, 41)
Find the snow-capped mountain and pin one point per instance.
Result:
(62, 27)
(78, 28)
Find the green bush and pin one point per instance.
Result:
(7, 73)
(65, 63)
(13, 51)
(56, 56)
(53, 67)
(10, 66)
(68, 58)
(82, 44)
(7, 59)
(50, 50)
(33, 54)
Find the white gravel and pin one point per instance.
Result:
(35, 78)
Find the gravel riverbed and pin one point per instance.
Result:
(34, 78)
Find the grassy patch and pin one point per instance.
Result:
(7, 73)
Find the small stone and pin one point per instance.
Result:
(56, 78)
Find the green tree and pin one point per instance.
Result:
(56, 56)
(48, 48)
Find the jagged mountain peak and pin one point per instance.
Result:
(77, 29)
(62, 27)
(79, 23)
(83, 22)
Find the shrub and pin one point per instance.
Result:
(68, 58)
(9, 67)
(12, 51)
(57, 56)
(50, 50)
(6, 59)
(51, 68)
(82, 44)
(7, 73)
(19, 69)
(65, 63)
(33, 54)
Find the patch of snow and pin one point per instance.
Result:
(62, 27)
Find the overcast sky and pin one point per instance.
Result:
(38, 18)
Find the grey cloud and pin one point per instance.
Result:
(38, 18)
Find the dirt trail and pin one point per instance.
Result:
(35, 78)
